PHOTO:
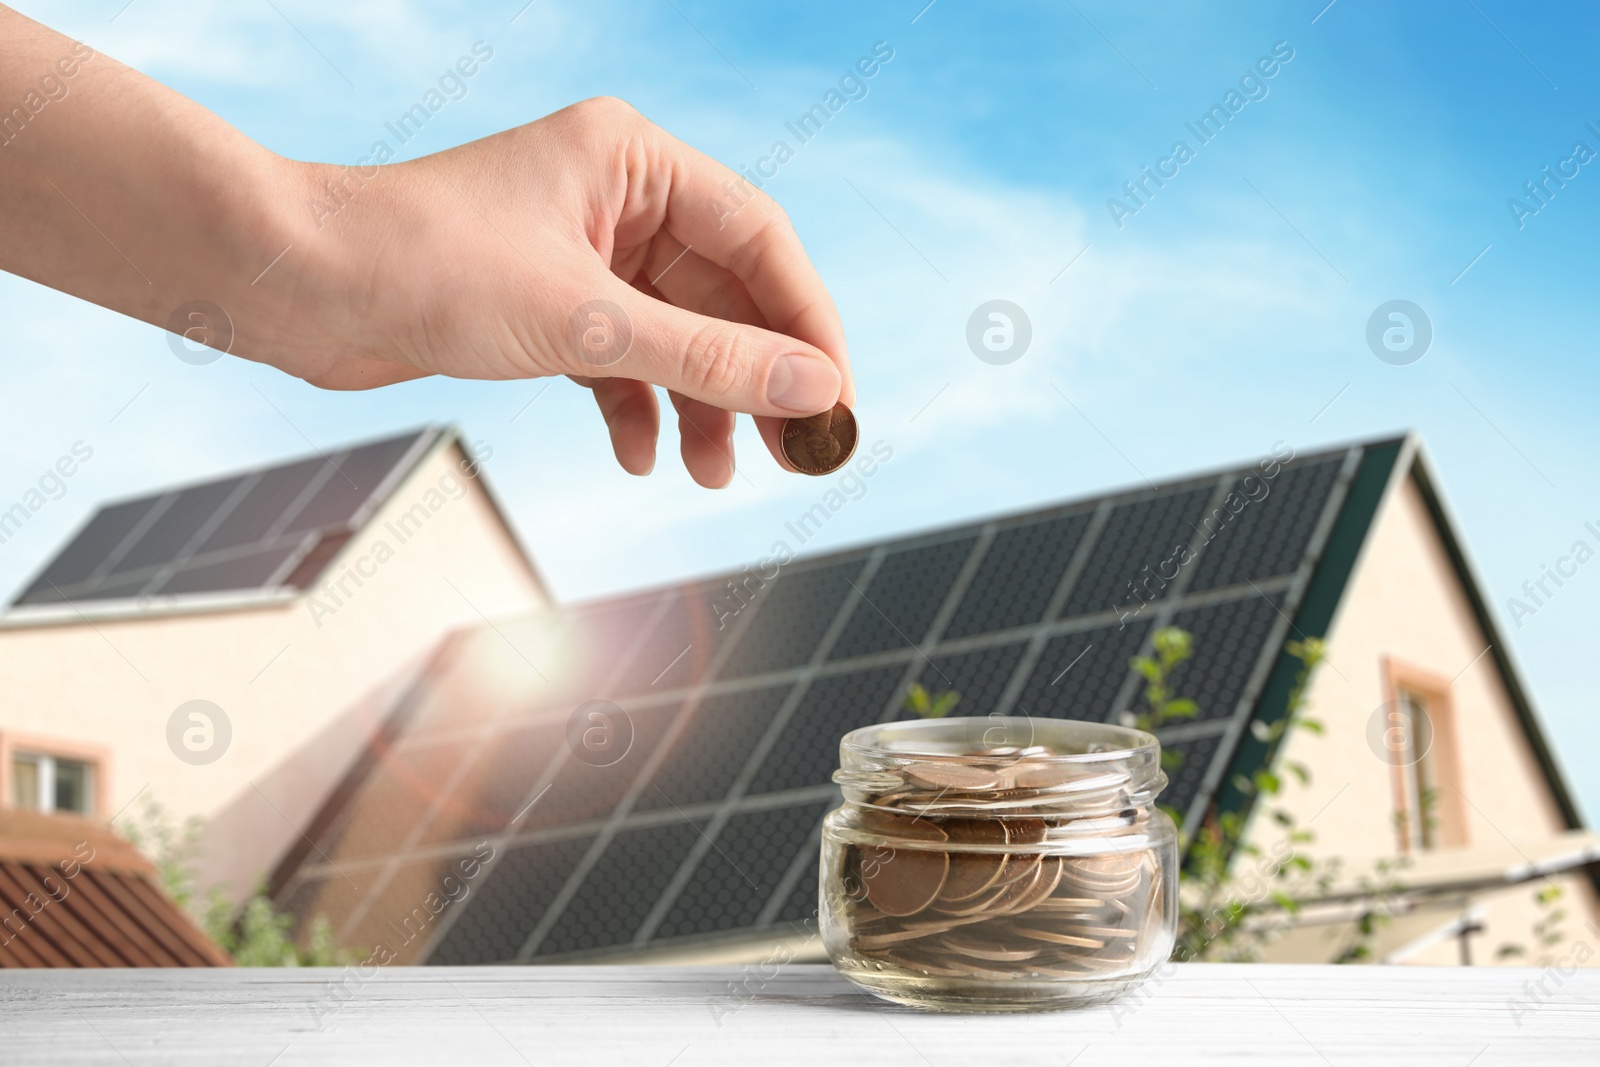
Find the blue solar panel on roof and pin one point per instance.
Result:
(1272, 528)
(710, 754)
(226, 535)
(898, 606)
(265, 505)
(1123, 570)
(498, 917)
(807, 750)
(1078, 675)
(87, 550)
(393, 800)
(1229, 639)
(980, 677)
(678, 649)
(792, 618)
(622, 887)
(179, 522)
(581, 791)
(355, 476)
(1018, 576)
(251, 571)
(1187, 771)
(498, 783)
(734, 881)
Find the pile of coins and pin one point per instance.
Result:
(1000, 867)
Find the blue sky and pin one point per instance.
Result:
(1228, 313)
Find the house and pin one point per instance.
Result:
(642, 777)
(73, 894)
(229, 647)
(349, 670)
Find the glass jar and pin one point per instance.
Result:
(998, 864)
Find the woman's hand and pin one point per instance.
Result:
(589, 243)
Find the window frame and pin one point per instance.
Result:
(96, 758)
(1440, 767)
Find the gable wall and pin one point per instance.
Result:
(1404, 603)
(302, 684)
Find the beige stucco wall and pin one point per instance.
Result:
(1404, 602)
(301, 683)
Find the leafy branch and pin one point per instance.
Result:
(929, 706)
(256, 933)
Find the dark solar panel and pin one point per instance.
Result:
(621, 888)
(356, 476)
(241, 572)
(86, 551)
(799, 912)
(597, 641)
(678, 650)
(792, 618)
(501, 914)
(167, 537)
(498, 784)
(1268, 536)
(1139, 535)
(226, 535)
(1018, 575)
(980, 677)
(1228, 643)
(581, 791)
(1078, 675)
(264, 506)
(713, 750)
(394, 799)
(737, 878)
(808, 749)
(897, 608)
(1185, 777)
(116, 588)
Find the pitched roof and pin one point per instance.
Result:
(262, 533)
(705, 828)
(72, 894)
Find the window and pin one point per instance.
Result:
(1418, 813)
(45, 783)
(1419, 742)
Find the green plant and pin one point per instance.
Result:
(920, 702)
(1215, 905)
(1547, 931)
(254, 933)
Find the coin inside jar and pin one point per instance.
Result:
(819, 444)
(958, 875)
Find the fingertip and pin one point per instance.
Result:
(804, 384)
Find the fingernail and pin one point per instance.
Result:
(804, 384)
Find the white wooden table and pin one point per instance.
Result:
(656, 1016)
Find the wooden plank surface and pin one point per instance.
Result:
(681, 1016)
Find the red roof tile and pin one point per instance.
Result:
(73, 894)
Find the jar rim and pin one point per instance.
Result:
(938, 739)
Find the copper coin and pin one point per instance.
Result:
(946, 776)
(972, 873)
(819, 444)
(907, 880)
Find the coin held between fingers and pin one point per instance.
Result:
(820, 444)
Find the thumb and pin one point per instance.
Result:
(623, 333)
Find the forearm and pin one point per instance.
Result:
(118, 190)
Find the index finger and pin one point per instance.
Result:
(727, 220)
